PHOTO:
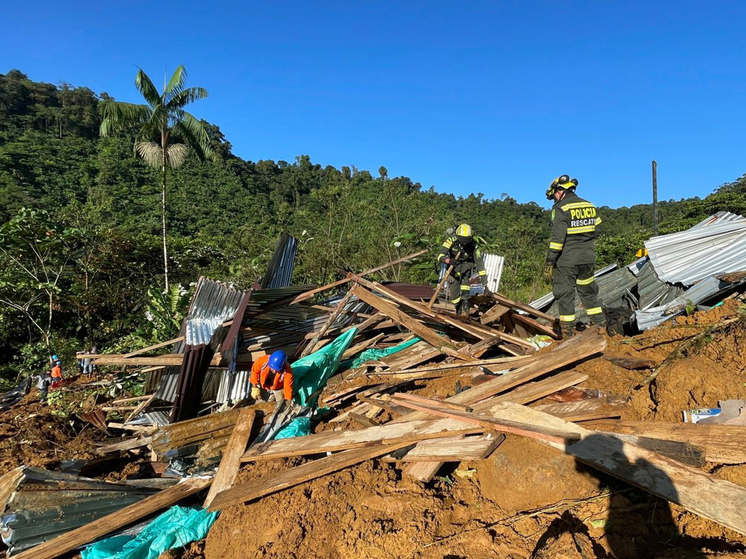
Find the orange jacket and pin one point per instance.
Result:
(262, 375)
(56, 372)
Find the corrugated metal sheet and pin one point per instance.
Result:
(47, 504)
(651, 290)
(545, 301)
(706, 289)
(719, 217)
(614, 290)
(410, 290)
(494, 266)
(213, 303)
(714, 246)
(233, 386)
(280, 268)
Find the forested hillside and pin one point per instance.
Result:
(80, 260)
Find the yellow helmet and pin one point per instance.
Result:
(561, 183)
(464, 234)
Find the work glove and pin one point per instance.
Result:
(256, 393)
(549, 272)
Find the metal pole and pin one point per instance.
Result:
(655, 198)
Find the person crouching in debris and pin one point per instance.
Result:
(272, 373)
(572, 254)
(461, 252)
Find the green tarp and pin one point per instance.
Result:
(310, 373)
(376, 354)
(176, 527)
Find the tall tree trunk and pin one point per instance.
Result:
(163, 210)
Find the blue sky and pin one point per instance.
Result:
(492, 97)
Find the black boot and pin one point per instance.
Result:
(600, 321)
(567, 329)
(463, 309)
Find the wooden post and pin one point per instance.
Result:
(655, 198)
(443, 282)
(329, 321)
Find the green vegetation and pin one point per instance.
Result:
(81, 250)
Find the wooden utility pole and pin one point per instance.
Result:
(655, 198)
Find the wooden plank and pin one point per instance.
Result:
(390, 433)
(385, 405)
(536, 390)
(114, 521)
(516, 361)
(584, 410)
(566, 353)
(452, 449)
(156, 346)
(128, 444)
(678, 450)
(478, 331)
(144, 404)
(535, 325)
(232, 453)
(723, 444)
(494, 314)
(432, 402)
(480, 348)
(128, 400)
(402, 318)
(523, 307)
(311, 347)
(300, 474)
(698, 492)
(362, 420)
(505, 426)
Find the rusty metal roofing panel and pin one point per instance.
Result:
(714, 246)
(280, 268)
(411, 290)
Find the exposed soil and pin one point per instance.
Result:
(525, 500)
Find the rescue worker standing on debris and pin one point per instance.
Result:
(272, 373)
(572, 254)
(461, 252)
(56, 371)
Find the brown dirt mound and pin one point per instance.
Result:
(525, 500)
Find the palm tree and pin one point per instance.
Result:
(166, 131)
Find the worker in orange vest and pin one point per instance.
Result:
(272, 373)
(56, 371)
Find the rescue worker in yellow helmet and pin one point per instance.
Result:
(463, 245)
(572, 253)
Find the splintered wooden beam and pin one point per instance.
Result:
(404, 319)
(300, 474)
(697, 491)
(114, 521)
(584, 410)
(501, 299)
(494, 314)
(231, 460)
(450, 449)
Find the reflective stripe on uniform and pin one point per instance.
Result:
(576, 206)
(456, 300)
(578, 230)
(447, 243)
(594, 310)
(441, 257)
(556, 246)
(567, 317)
(584, 281)
(465, 288)
(598, 221)
(482, 272)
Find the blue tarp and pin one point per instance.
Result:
(176, 527)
